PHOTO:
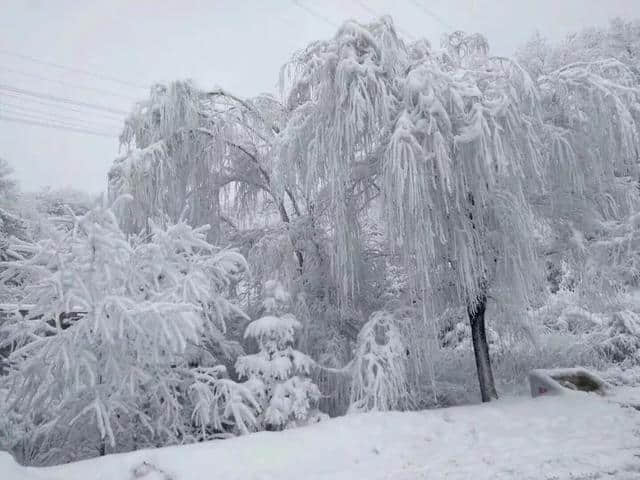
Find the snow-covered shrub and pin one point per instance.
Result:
(562, 313)
(220, 405)
(278, 375)
(577, 320)
(379, 372)
(619, 340)
(129, 368)
(618, 375)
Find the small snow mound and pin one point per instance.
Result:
(149, 471)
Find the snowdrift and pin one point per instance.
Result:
(560, 437)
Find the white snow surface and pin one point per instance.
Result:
(550, 437)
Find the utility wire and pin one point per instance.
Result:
(56, 126)
(59, 106)
(55, 116)
(63, 123)
(69, 84)
(433, 15)
(312, 12)
(69, 101)
(366, 7)
(73, 69)
(106, 129)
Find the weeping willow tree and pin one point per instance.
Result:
(207, 157)
(447, 140)
(200, 156)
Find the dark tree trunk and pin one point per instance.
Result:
(481, 349)
(284, 216)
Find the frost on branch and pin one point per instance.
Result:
(278, 375)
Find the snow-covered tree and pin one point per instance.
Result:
(277, 374)
(199, 155)
(619, 40)
(14, 229)
(449, 140)
(11, 222)
(8, 185)
(59, 202)
(133, 360)
(589, 94)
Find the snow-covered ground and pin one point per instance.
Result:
(576, 436)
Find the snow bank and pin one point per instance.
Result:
(557, 437)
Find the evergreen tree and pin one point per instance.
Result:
(278, 374)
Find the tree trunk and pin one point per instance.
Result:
(284, 216)
(481, 349)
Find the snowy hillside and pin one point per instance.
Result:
(567, 437)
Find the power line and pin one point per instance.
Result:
(69, 84)
(61, 106)
(64, 114)
(433, 15)
(312, 12)
(56, 126)
(75, 123)
(63, 123)
(52, 117)
(22, 109)
(334, 24)
(61, 99)
(73, 69)
(366, 7)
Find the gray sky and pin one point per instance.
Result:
(239, 45)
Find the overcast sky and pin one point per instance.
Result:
(239, 45)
